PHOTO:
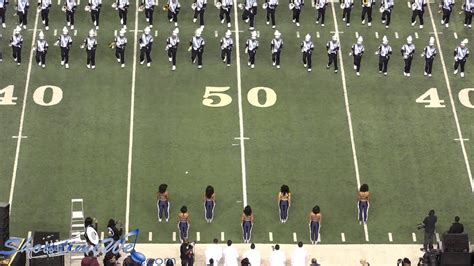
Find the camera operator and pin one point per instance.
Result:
(187, 253)
(429, 224)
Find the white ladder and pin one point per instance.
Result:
(77, 226)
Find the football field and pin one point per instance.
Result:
(111, 136)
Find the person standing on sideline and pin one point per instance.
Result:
(214, 252)
(456, 227)
(162, 202)
(284, 203)
(314, 262)
(461, 53)
(429, 53)
(253, 255)
(231, 255)
(363, 203)
(314, 224)
(299, 256)
(278, 257)
(183, 223)
(209, 203)
(429, 224)
(247, 223)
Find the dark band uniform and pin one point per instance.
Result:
(3, 8)
(250, 10)
(386, 6)
(224, 13)
(332, 48)
(367, 10)
(297, 10)
(22, 12)
(16, 42)
(321, 8)
(357, 52)
(197, 49)
(41, 50)
(408, 50)
(149, 6)
(384, 51)
(172, 48)
(120, 43)
(90, 44)
(44, 6)
(199, 10)
(429, 53)
(226, 49)
(271, 8)
(276, 45)
(145, 42)
(70, 11)
(173, 11)
(122, 7)
(346, 10)
(95, 6)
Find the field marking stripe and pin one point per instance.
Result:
(390, 237)
(198, 236)
(413, 236)
(343, 237)
(102, 235)
(174, 236)
(22, 116)
(222, 236)
(150, 236)
(29, 234)
(241, 113)
(132, 114)
(453, 105)
(455, 35)
(295, 238)
(348, 111)
(270, 236)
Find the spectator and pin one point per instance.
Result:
(210, 262)
(298, 258)
(90, 260)
(230, 254)
(245, 262)
(253, 255)
(110, 259)
(169, 263)
(429, 223)
(404, 262)
(186, 253)
(363, 262)
(314, 262)
(214, 252)
(128, 261)
(278, 257)
(456, 227)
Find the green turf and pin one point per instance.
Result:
(79, 148)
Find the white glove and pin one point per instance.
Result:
(376, 53)
(350, 54)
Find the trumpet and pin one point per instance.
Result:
(365, 2)
(166, 7)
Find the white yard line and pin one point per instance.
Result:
(222, 236)
(150, 236)
(241, 114)
(413, 236)
(22, 116)
(295, 238)
(174, 236)
(453, 105)
(348, 111)
(390, 237)
(343, 237)
(132, 114)
(270, 236)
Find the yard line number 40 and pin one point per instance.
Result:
(216, 97)
(7, 98)
(431, 98)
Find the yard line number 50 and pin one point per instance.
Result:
(216, 97)
(7, 98)
(431, 98)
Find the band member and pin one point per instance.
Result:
(447, 7)
(284, 203)
(41, 50)
(429, 53)
(22, 7)
(270, 6)
(122, 7)
(386, 7)
(196, 46)
(276, 45)
(113, 230)
(3, 11)
(250, 10)
(314, 224)
(64, 42)
(173, 7)
(408, 50)
(468, 8)
(183, 223)
(224, 12)
(90, 44)
(356, 51)
(145, 42)
(307, 48)
(44, 6)
(332, 48)
(172, 47)
(149, 6)
(296, 6)
(247, 223)
(209, 203)
(367, 10)
(251, 46)
(320, 6)
(461, 53)
(162, 202)
(226, 47)
(70, 6)
(120, 43)
(418, 8)
(346, 6)
(16, 42)
(94, 8)
(363, 203)
(199, 9)
(384, 53)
